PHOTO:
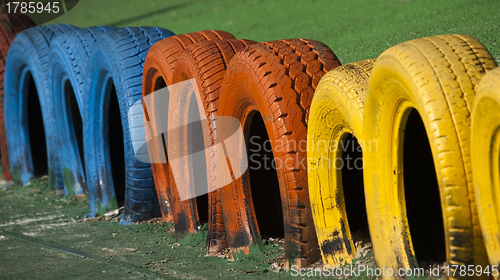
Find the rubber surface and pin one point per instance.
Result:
(437, 77)
(336, 112)
(277, 79)
(205, 62)
(28, 57)
(68, 58)
(485, 155)
(9, 27)
(115, 66)
(158, 72)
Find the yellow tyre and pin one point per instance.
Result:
(335, 123)
(485, 160)
(418, 181)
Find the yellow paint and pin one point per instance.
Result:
(486, 160)
(336, 111)
(437, 77)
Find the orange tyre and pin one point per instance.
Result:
(206, 63)
(268, 87)
(158, 71)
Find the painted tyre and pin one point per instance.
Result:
(114, 175)
(205, 62)
(31, 130)
(334, 134)
(9, 27)
(158, 72)
(68, 77)
(418, 113)
(268, 87)
(485, 154)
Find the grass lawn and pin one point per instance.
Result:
(42, 236)
(355, 29)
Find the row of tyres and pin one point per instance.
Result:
(402, 148)
(56, 65)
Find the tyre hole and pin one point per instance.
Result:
(202, 206)
(421, 192)
(36, 130)
(199, 167)
(353, 187)
(159, 84)
(74, 119)
(264, 185)
(116, 146)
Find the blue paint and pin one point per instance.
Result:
(68, 61)
(117, 60)
(28, 56)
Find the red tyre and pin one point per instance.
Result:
(9, 27)
(268, 87)
(158, 71)
(206, 63)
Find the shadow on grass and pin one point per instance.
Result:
(156, 12)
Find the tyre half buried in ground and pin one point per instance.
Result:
(205, 62)
(158, 73)
(268, 87)
(68, 58)
(418, 181)
(335, 163)
(28, 105)
(10, 25)
(114, 175)
(485, 160)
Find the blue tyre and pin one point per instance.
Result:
(114, 175)
(31, 124)
(68, 59)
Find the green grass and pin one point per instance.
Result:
(355, 29)
(41, 238)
